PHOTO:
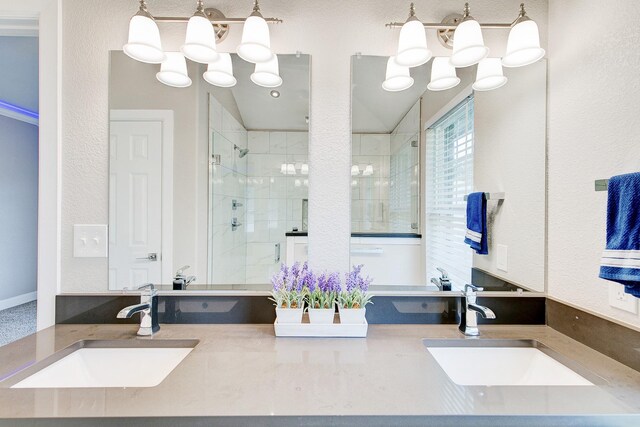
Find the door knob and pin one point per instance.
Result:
(151, 257)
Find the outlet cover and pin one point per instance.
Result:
(90, 241)
(502, 257)
(621, 300)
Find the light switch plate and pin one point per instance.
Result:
(502, 258)
(619, 299)
(90, 241)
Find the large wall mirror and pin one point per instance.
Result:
(417, 154)
(206, 177)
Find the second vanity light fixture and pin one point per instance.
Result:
(523, 48)
(204, 29)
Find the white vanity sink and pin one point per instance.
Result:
(502, 363)
(109, 364)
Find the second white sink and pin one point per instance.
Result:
(507, 365)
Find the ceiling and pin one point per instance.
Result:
(374, 110)
(261, 111)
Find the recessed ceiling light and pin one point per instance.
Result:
(275, 93)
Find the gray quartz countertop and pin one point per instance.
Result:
(244, 370)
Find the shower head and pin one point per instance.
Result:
(241, 151)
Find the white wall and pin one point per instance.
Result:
(18, 211)
(594, 94)
(330, 31)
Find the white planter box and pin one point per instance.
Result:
(321, 316)
(306, 329)
(289, 315)
(352, 315)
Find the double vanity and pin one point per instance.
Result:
(398, 375)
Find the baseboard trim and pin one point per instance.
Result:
(18, 300)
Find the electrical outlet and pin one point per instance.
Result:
(90, 241)
(619, 299)
(502, 257)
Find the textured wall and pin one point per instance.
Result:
(330, 31)
(593, 128)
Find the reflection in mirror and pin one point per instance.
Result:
(425, 151)
(205, 181)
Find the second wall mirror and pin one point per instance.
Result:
(417, 154)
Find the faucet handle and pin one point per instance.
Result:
(472, 288)
(182, 270)
(443, 272)
(149, 286)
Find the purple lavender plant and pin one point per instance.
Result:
(354, 281)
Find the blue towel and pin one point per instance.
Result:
(621, 259)
(476, 236)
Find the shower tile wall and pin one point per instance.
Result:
(404, 202)
(385, 184)
(370, 186)
(274, 197)
(227, 182)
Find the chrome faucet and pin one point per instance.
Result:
(470, 310)
(181, 281)
(443, 283)
(148, 309)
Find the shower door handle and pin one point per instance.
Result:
(277, 252)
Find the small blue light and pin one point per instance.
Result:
(19, 110)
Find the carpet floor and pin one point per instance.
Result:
(17, 322)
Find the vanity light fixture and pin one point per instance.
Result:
(397, 77)
(463, 34)
(304, 169)
(468, 44)
(200, 42)
(291, 169)
(443, 75)
(412, 44)
(204, 29)
(489, 75)
(368, 171)
(267, 74)
(523, 45)
(220, 72)
(355, 170)
(144, 43)
(173, 71)
(256, 43)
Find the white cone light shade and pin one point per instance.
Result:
(443, 75)
(489, 75)
(355, 170)
(267, 74)
(173, 71)
(468, 44)
(144, 41)
(220, 73)
(200, 42)
(412, 45)
(256, 44)
(397, 77)
(523, 46)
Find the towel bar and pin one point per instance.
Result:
(602, 184)
(492, 196)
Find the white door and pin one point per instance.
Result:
(135, 220)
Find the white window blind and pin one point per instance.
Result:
(449, 178)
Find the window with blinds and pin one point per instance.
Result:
(449, 169)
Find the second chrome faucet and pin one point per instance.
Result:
(470, 310)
